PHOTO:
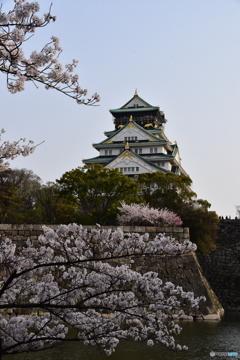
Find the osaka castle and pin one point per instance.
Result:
(138, 144)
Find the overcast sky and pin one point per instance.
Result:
(181, 55)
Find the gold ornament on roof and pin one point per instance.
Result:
(136, 93)
(130, 126)
(131, 118)
(127, 146)
(126, 155)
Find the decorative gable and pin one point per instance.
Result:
(131, 132)
(132, 164)
(136, 102)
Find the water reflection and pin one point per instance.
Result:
(201, 338)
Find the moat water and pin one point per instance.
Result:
(203, 338)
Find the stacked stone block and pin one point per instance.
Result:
(222, 266)
(182, 269)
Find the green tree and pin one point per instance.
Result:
(168, 190)
(97, 191)
(173, 192)
(51, 208)
(203, 225)
(17, 200)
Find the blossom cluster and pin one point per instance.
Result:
(139, 214)
(10, 150)
(16, 27)
(73, 278)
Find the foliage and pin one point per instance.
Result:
(98, 192)
(17, 27)
(173, 192)
(23, 199)
(203, 225)
(17, 200)
(161, 190)
(50, 208)
(139, 214)
(67, 280)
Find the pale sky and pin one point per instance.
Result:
(181, 55)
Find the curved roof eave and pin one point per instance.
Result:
(139, 109)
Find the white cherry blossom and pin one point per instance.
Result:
(10, 150)
(82, 279)
(17, 27)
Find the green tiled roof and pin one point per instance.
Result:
(144, 106)
(164, 157)
(113, 111)
(139, 127)
(100, 159)
(108, 160)
(175, 148)
(137, 99)
(109, 133)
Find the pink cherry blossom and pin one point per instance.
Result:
(139, 214)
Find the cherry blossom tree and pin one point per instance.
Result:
(42, 67)
(10, 150)
(140, 214)
(18, 26)
(82, 279)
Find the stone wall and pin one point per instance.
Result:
(183, 270)
(20, 232)
(222, 266)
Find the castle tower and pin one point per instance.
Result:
(138, 143)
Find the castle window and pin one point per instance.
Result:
(138, 151)
(108, 152)
(155, 150)
(129, 169)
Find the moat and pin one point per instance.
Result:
(201, 337)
